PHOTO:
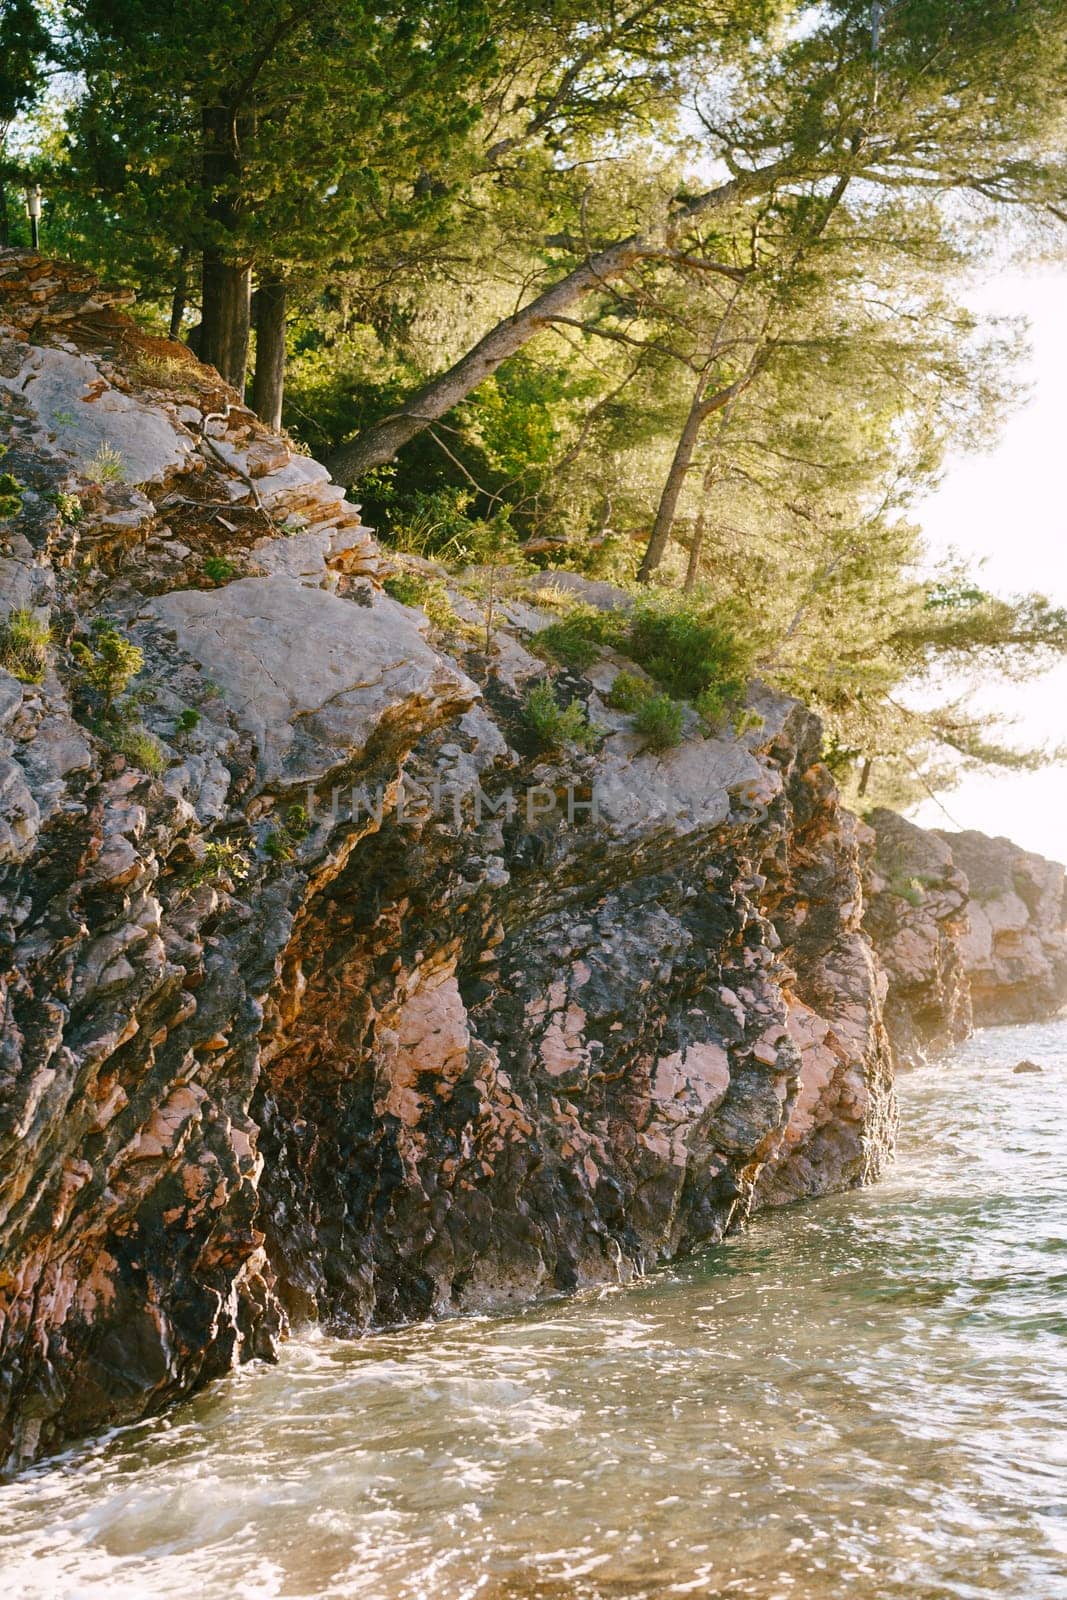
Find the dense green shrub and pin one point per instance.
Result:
(659, 720)
(554, 724)
(628, 692)
(577, 638)
(690, 649)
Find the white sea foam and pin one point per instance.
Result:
(863, 1396)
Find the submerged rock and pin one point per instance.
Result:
(1028, 1066)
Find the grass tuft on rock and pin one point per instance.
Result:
(141, 748)
(24, 644)
(413, 589)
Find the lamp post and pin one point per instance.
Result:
(33, 211)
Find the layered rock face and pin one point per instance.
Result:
(334, 993)
(970, 930)
(1014, 950)
(530, 1057)
(917, 918)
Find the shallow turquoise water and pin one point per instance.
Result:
(863, 1397)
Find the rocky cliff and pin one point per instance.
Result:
(329, 988)
(970, 930)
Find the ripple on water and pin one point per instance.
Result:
(864, 1397)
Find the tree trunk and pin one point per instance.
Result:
(672, 489)
(181, 284)
(225, 325)
(5, 230)
(380, 442)
(695, 549)
(268, 384)
(227, 282)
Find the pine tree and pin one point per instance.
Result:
(24, 46)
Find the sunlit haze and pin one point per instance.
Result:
(1009, 509)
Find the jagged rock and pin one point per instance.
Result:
(76, 405)
(1027, 1066)
(309, 676)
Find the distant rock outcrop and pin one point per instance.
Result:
(1015, 947)
(971, 930)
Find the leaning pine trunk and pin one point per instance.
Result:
(672, 488)
(695, 549)
(268, 384)
(380, 442)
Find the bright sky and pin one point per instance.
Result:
(1010, 508)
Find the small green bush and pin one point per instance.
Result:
(712, 705)
(297, 822)
(689, 649)
(628, 692)
(219, 569)
(108, 663)
(412, 589)
(557, 725)
(577, 638)
(221, 860)
(140, 747)
(187, 720)
(659, 720)
(278, 845)
(10, 495)
(24, 646)
(71, 511)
